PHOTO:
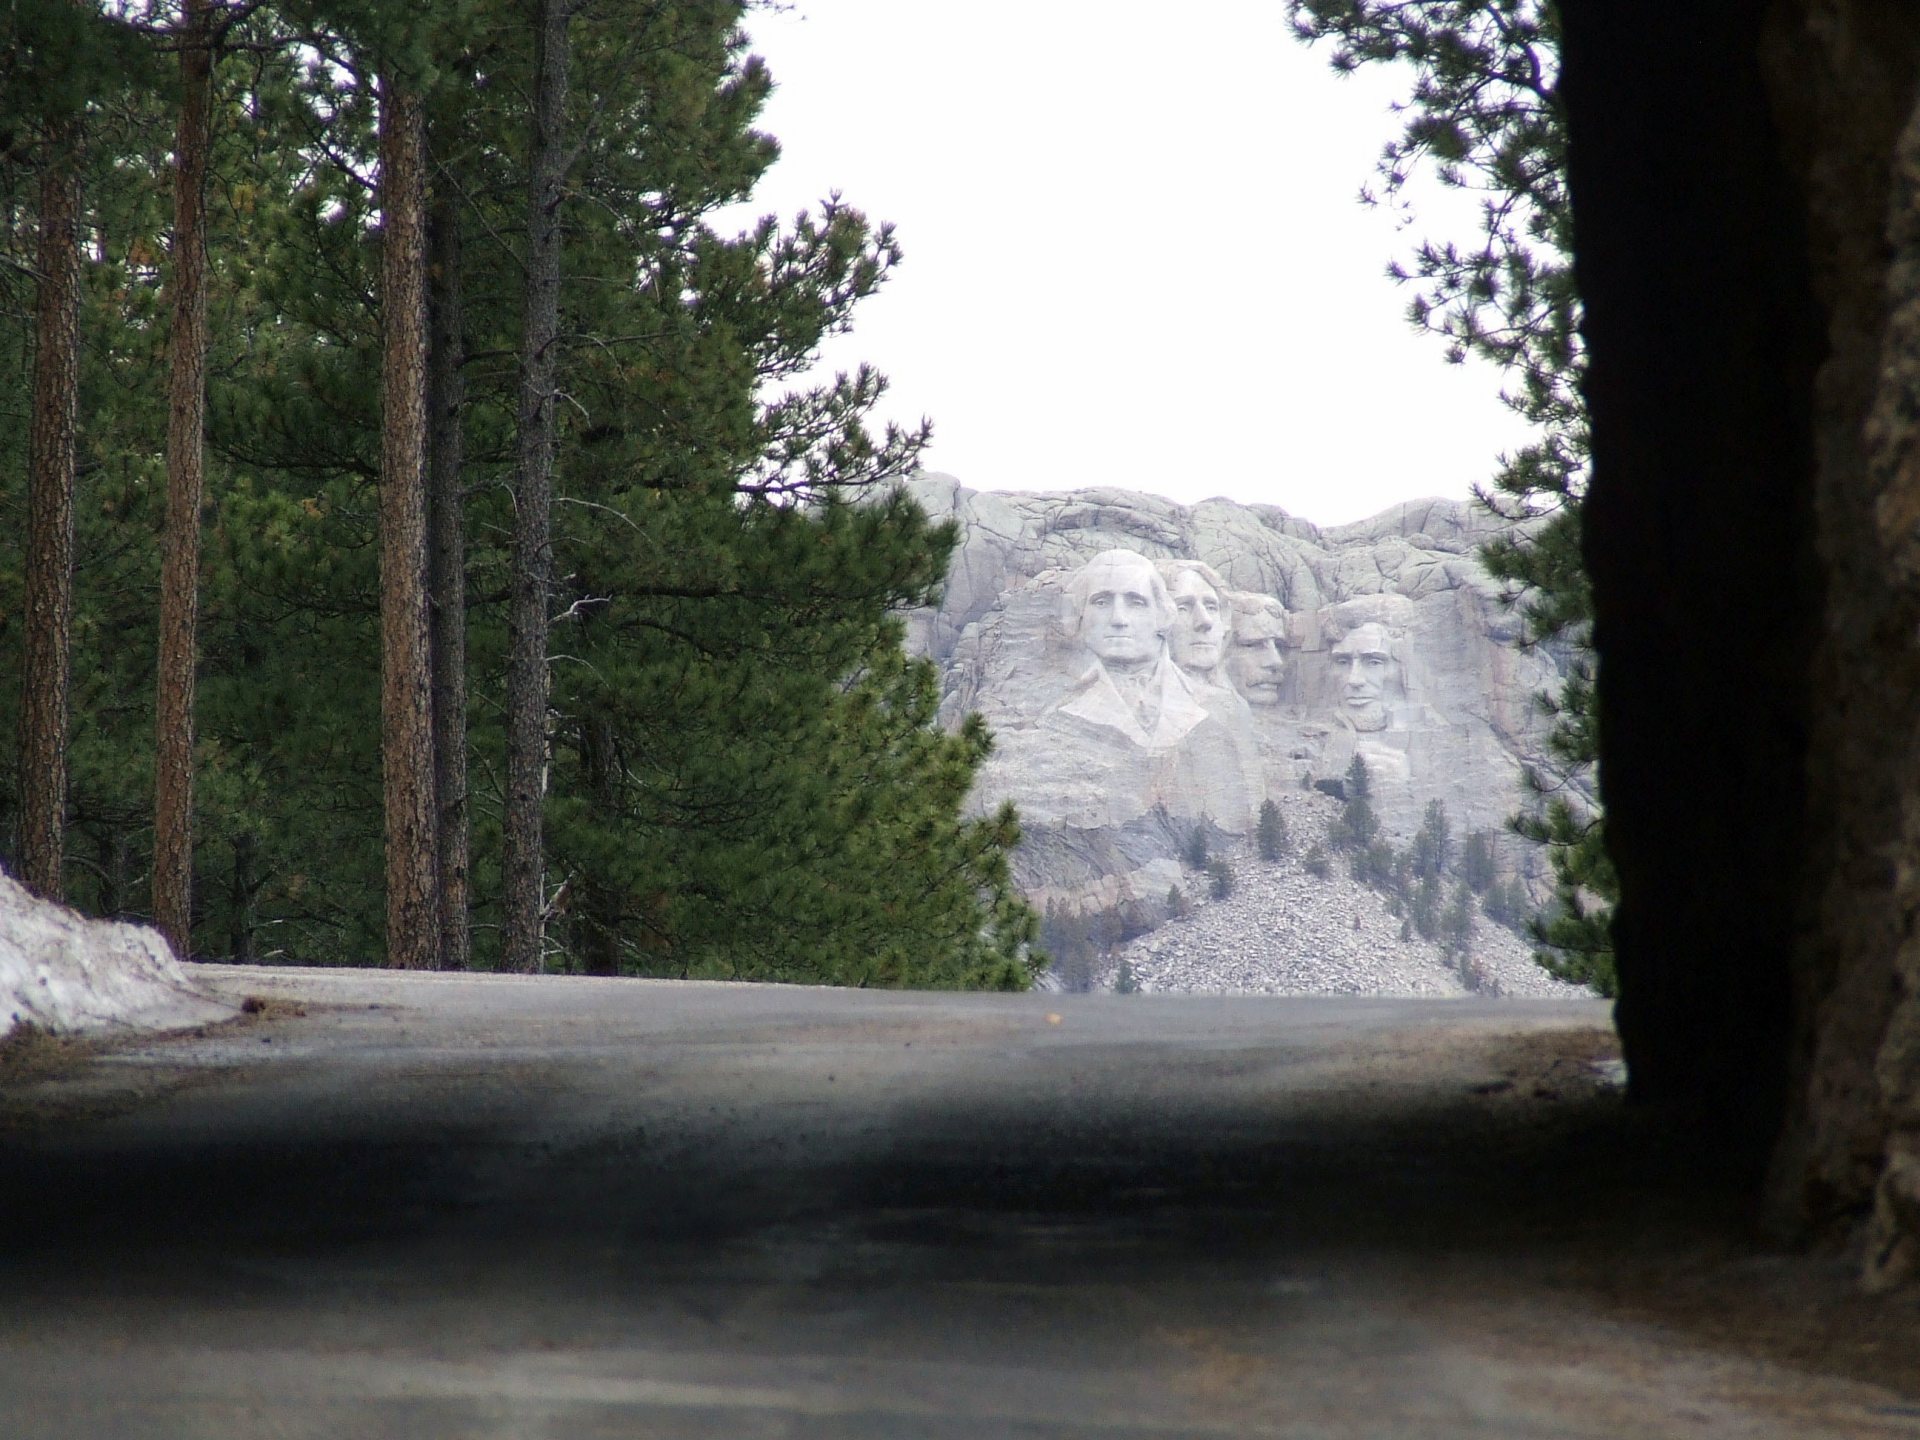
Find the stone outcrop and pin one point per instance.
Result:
(1275, 651)
(1286, 931)
(62, 972)
(1745, 182)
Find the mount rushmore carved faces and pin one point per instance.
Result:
(1201, 616)
(1367, 673)
(1255, 664)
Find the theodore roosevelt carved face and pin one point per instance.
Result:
(1256, 665)
(1122, 609)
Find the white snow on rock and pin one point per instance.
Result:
(65, 973)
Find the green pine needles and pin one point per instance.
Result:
(746, 775)
(1484, 116)
(1270, 834)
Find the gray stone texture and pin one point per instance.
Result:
(1285, 931)
(1105, 807)
(1845, 73)
(1747, 185)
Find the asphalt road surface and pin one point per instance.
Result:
(432, 1206)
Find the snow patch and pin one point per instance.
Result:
(65, 973)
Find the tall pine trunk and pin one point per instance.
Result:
(180, 542)
(406, 700)
(599, 927)
(50, 485)
(447, 569)
(523, 884)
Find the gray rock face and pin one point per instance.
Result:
(1265, 653)
(1285, 931)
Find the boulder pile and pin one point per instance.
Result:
(1284, 931)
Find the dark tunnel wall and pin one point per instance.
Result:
(1702, 342)
(1732, 173)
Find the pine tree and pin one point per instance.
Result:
(1378, 866)
(744, 772)
(1219, 878)
(523, 891)
(58, 63)
(1485, 115)
(1457, 936)
(1456, 924)
(447, 566)
(1573, 939)
(1423, 907)
(64, 69)
(1194, 852)
(406, 693)
(1477, 862)
(1067, 937)
(118, 71)
(1271, 832)
(1355, 828)
(315, 553)
(1358, 780)
(51, 481)
(186, 487)
(1433, 843)
(724, 567)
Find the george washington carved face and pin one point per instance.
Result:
(1122, 608)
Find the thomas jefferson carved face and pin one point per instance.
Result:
(1257, 665)
(1200, 622)
(1124, 611)
(1364, 669)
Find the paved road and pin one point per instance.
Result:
(490, 1207)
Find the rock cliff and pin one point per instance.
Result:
(1263, 655)
(1752, 535)
(1284, 930)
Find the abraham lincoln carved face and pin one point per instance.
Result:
(1365, 673)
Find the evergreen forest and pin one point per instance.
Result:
(1483, 115)
(421, 536)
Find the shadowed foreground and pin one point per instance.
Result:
(437, 1206)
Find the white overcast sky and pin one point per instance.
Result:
(1134, 253)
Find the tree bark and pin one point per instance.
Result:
(599, 928)
(523, 884)
(406, 703)
(51, 475)
(447, 571)
(180, 542)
